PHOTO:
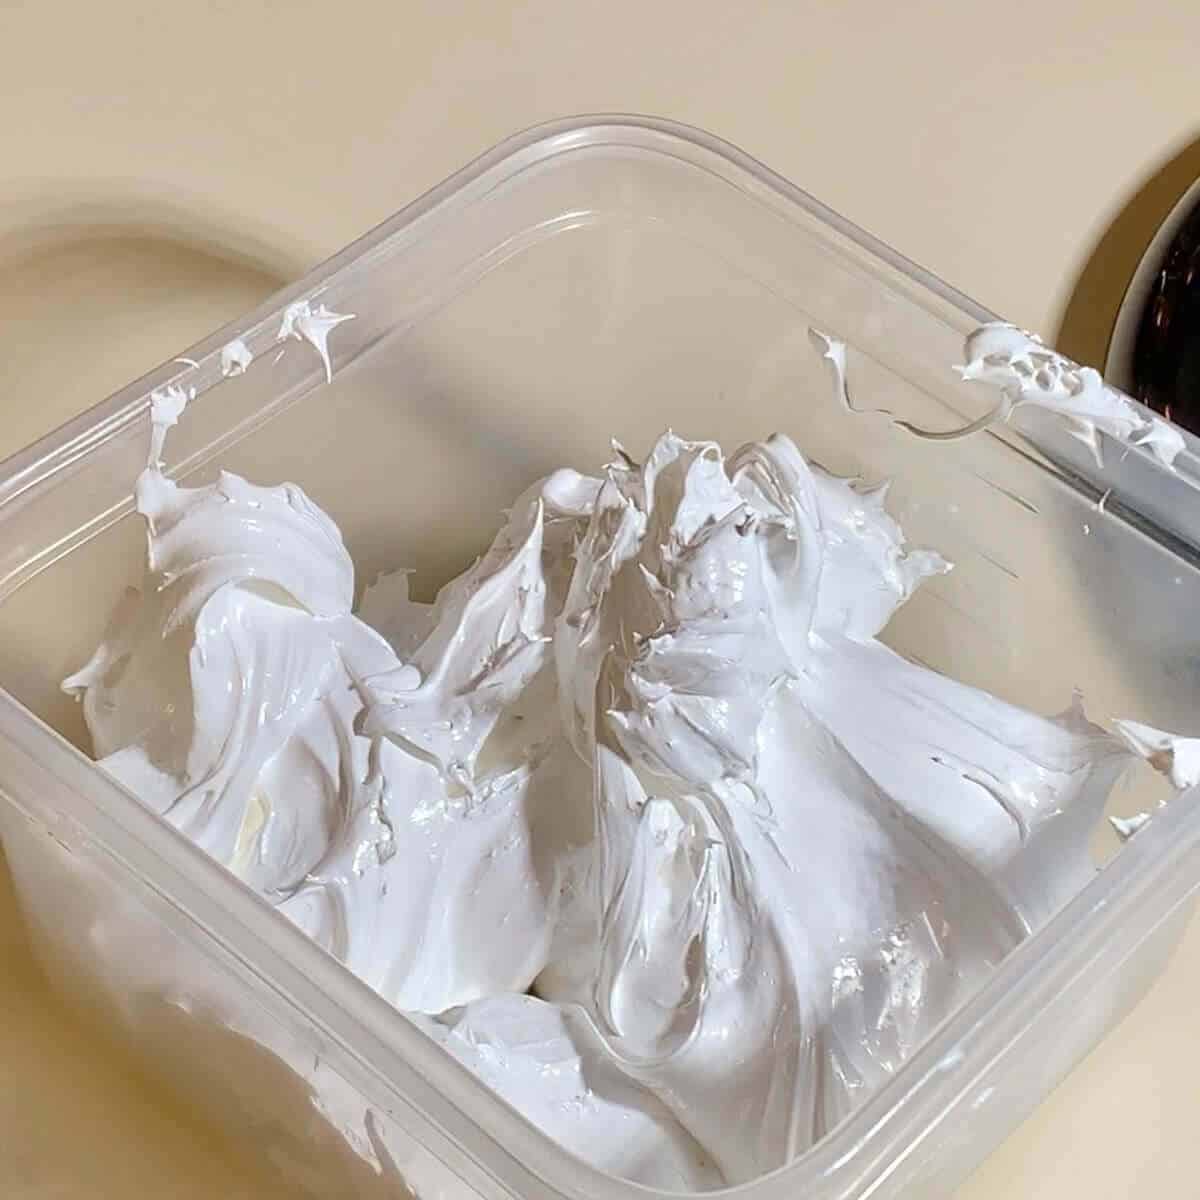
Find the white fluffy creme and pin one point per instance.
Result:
(638, 819)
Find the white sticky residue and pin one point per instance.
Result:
(1027, 373)
(833, 350)
(235, 358)
(313, 325)
(1178, 758)
(744, 855)
(166, 407)
(1126, 827)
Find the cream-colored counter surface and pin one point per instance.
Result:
(166, 166)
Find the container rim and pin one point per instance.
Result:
(538, 143)
(859, 1154)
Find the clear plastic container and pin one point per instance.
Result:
(592, 278)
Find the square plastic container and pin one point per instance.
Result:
(592, 278)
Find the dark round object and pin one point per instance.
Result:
(1166, 355)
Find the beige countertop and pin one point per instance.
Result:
(164, 167)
